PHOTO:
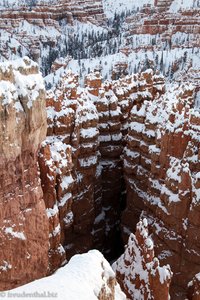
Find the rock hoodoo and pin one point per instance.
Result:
(68, 162)
(138, 271)
(194, 288)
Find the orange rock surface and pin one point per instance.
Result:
(24, 237)
(138, 271)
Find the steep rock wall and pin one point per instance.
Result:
(81, 163)
(68, 162)
(97, 137)
(161, 170)
(23, 221)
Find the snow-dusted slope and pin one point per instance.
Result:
(117, 6)
(85, 277)
(143, 37)
(18, 3)
(182, 5)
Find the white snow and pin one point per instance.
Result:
(81, 279)
(5, 267)
(66, 181)
(51, 212)
(25, 87)
(18, 3)
(14, 234)
(183, 5)
(117, 6)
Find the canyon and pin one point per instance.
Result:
(102, 150)
(110, 157)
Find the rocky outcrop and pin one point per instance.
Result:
(138, 271)
(81, 167)
(61, 9)
(162, 178)
(163, 5)
(68, 162)
(194, 288)
(32, 28)
(23, 220)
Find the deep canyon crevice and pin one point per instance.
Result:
(97, 137)
(125, 129)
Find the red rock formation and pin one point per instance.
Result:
(23, 221)
(86, 131)
(68, 162)
(82, 166)
(138, 271)
(194, 288)
(85, 11)
(163, 5)
(40, 32)
(161, 170)
(110, 148)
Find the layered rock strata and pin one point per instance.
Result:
(98, 136)
(61, 9)
(68, 162)
(167, 30)
(110, 148)
(40, 29)
(161, 170)
(80, 161)
(23, 220)
(77, 161)
(138, 271)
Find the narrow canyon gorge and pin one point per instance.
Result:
(114, 152)
(99, 149)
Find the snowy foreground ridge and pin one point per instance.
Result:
(83, 278)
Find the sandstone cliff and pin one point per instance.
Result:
(161, 168)
(68, 162)
(130, 130)
(23, 221)
(97, 137)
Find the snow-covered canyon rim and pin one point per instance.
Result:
(84, 277)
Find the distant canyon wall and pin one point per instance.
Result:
(82, 30)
